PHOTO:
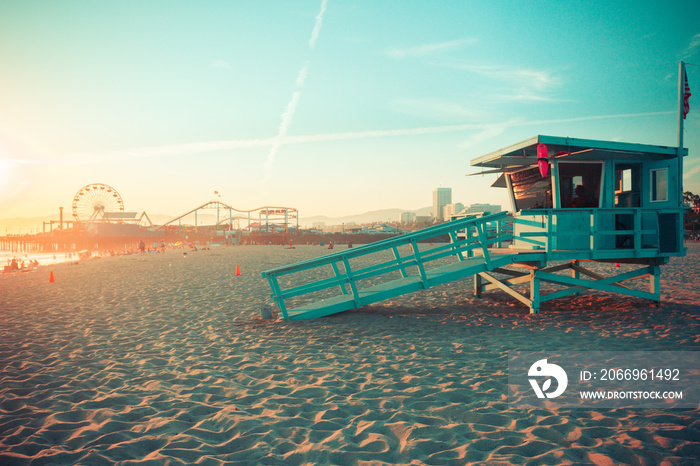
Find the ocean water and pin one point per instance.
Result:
(44, 258)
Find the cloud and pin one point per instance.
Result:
(223, 64)
(274, 142)
(526, 95)
(690, 50)
(7, 162)
(288, 115)
(536, 78)
(286, 122)
(435, 108)
(430, 49)
(517, 84)
(597, 117)
(486, 131)
(301, 76)
(689, 173)
(317, 25)
(485, 134)
(529, 77)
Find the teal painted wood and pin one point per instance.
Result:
(337, 274)
(602, 285)
(386, 244)
(655, 282)
(429, 271)
(547, 234)
(437, 276)
(612, 281)
(516, 155)
(535, 277)
(353, 286)
(276, 292)
(402, 264)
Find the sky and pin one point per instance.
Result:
(331, 107)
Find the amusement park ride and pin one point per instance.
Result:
(99, 207)
(99, 204)
(274, 217)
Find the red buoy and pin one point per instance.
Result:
(542, 160)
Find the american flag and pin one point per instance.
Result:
(686, 95)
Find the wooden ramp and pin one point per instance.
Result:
(355, 277)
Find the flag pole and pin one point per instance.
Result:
(681, 95)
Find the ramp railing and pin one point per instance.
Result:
(348, 272)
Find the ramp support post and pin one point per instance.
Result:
(534, 292)
(655, 284)
(336, 270)
(277, 294)
(477, 286)
(575, 272)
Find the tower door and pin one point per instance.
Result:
(628, 181)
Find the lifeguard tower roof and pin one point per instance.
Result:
(525, 153)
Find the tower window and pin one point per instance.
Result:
(659, 185)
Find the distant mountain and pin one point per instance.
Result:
(19, 225)
(375, 216)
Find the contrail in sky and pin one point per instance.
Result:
(275, 142)
(317, 26)
(291, 107)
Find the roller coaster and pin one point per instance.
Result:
(270, 218)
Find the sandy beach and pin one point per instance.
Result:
(164, 359)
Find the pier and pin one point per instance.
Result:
(60, 243)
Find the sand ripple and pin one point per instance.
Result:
(163, 359)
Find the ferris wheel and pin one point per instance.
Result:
(93, 200)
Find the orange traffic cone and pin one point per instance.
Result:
(238, 270)
(51, 280)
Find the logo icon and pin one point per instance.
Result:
(543, 369)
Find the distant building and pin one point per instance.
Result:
(452, 209)
(408, 218)
(383, 229)
(476, 208)
(441, 197)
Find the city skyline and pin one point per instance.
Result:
(328, 107)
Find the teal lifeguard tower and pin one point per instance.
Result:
(573, 202)
(579, 201)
